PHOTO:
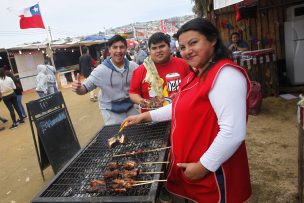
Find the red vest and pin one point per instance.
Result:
(194, 127)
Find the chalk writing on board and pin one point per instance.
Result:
(45, 125)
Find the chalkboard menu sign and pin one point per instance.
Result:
(56, 142)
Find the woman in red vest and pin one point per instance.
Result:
(208, 161)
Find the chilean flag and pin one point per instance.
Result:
(30, 17)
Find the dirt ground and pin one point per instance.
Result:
(271, 144)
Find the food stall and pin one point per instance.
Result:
(261, 67)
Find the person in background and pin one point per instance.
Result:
(18, 91)
(128, 56)
(51, 72)
(106, 53)
(4, 120)
(208, 127)
(101, 57)
(172, 45)
(42, 81)
(113, 78)
(85, 67)
(141, 55)
(164, 64)
(9, 98)
(177, 52)
(236, 43)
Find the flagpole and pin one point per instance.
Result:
(49, 41)
(50, 52)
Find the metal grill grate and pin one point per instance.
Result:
(72, 182)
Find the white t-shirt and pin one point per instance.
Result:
(7, 86)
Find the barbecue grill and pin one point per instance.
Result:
(71, 184)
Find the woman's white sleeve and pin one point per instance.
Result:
(162, 114)
(228, 99)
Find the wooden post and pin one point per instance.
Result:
(9, 61)
(80, 49)
(300, 153)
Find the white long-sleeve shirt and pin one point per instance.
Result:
(228, 99)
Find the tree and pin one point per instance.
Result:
(200, 7)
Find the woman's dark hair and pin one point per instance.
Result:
(117, 38)
(2, 73)
(11, 75)
(85, 49)
(157, 38)
(206, 28)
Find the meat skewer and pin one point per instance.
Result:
(135, 172)
(148, 182)
(140, 152)
(122, 185)
(129, 165)
(118, 185)
(127, 173)
(111, 174)
(97, 182)
(132, 164)
(113, 165)
(96, 186)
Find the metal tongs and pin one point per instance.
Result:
(119, 137)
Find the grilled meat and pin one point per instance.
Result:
(113, 165)
(129, 165)
(96, 186)
(140, 151)
(123, 183)
(115, 140)
(123, 139)
(130, 173)
(111, 174)
(96, 182)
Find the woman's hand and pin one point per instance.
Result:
(132, 120)
(194, 171)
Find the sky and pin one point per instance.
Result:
(71, 18)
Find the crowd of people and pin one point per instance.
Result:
(208, 152)
(46, 79)
(11, 91)
(11, 94)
